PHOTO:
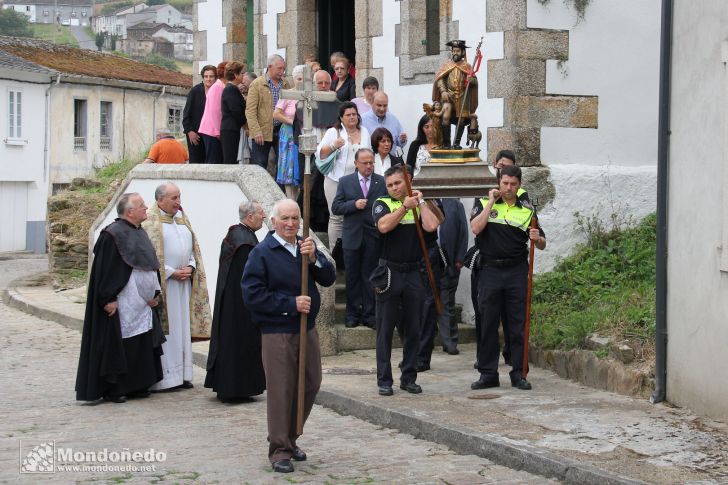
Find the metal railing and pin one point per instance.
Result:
(105, 143)
(79, 143)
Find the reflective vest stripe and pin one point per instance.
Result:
(514, 216)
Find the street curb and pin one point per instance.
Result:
(13, 299)
(500, 450)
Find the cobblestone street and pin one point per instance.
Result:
(205, 441)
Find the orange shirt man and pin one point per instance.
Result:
(167, 150)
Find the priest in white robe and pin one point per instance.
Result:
(185, 312)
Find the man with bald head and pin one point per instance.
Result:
(185, 309)
(272, 292)
(381, 117)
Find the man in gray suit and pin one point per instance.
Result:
(355, 196)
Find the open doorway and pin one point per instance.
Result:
(335, 30)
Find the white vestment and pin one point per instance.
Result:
(135, 314)
(177, 358)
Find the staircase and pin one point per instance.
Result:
(360, 338)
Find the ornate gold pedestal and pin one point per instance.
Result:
(454, 173)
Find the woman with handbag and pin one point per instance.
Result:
(335, 158)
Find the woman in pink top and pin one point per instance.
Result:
(211, 119)
(288, 169)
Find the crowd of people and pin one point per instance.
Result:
(402, 252)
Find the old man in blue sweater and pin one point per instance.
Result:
(271, 287)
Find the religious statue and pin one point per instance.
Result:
(456, 87)
(436, 112)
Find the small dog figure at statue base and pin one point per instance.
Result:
(474, 135)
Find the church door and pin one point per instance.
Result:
(335, 30)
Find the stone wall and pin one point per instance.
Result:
(520, 79)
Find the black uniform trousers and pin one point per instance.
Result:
(428, 329)
(196, 152)
(359, 265)
(476, 311)
(501, 290)
(402, 303)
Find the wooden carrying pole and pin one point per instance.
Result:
(531, 253)
(303, 331)
(423, 246)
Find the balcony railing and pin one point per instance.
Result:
(79, 143)
(105, 143)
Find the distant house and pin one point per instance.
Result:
(146, 38)
(159, 14)
(64, 12)
(115, 23)
(66, 111)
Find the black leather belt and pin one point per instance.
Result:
(400, 267)
(502, 263)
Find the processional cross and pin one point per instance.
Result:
(307, 146)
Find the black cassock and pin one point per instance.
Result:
(109, 365)
(234, 362)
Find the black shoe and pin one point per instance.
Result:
(385, 390)
(507, 359)
(186, 385)
(371, 325)
(351, 324)
(451, 350)
(484, 383)
(116, 399)
(283, 466)
(139, 394)
(299, 454)
(412, 388)
(522, 384)
(423, 367)
(475, 365)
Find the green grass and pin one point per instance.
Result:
(607, 286)
(58, 34)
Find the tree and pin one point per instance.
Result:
(100, 39)
(14, 24)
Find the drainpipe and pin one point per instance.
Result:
(663, 162)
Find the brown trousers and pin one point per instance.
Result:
(280, 362)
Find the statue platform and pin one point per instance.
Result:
(455, 174)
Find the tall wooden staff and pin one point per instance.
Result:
(307, 146)
(423, 246)
(531, 253)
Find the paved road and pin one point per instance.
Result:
(204, 441)
(84, 40)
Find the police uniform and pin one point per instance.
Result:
(502, 283)
(403, 299)
(522, 197)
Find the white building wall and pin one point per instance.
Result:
(209, 20)
(697, 299)
(23, 171)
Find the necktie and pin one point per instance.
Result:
(364, 188)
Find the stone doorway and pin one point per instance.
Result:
(335, 30)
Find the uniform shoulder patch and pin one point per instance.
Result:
(494, 213)
(474, 211)
(378, 209)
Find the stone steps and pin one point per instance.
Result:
(361, 338)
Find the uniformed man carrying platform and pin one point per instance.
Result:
(400, 277)
(501, 224)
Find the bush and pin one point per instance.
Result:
(14, 24)
(161, 61)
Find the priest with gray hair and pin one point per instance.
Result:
(122, 339)
(234, 363)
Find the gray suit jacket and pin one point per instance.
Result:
(357, 222)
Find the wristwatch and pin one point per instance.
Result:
(422, 202)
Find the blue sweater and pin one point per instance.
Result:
(272, 280)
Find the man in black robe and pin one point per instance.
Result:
(122, 339)
(234, 363)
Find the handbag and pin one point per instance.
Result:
(338, 254)
(326, 165)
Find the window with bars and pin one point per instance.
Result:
(79, 124)
(174, 120)
(15, 113)
(105, 124)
